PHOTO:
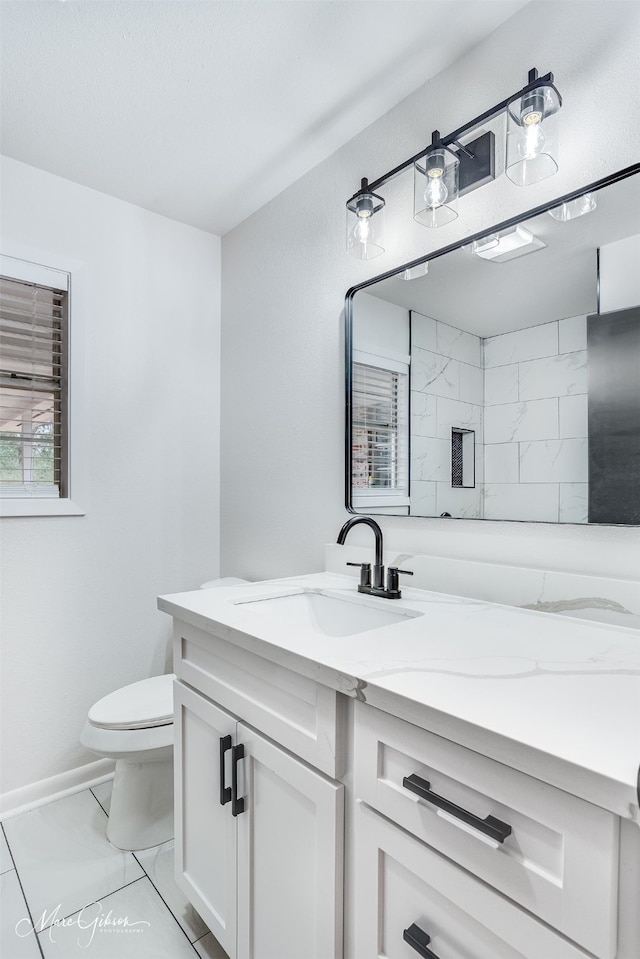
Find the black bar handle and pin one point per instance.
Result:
(419, 940)
(490, 826)
(225, 791)
(237, 804)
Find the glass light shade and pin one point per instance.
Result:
(533, 136)
(365, 226)
(484, 244)
(574, 208)
(414, 272)
(435, 188)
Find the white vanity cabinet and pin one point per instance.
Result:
(463, 855)
(259, 833)
(451, 852)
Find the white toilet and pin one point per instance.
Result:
(134, 726)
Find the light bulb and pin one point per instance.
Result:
(531, 141)
(436, 192)
(362, 229)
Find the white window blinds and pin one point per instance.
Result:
(33, 378)
(380, 428)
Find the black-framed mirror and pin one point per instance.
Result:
(499, 377)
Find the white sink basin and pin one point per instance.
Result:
(328, 613)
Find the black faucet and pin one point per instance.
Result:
(377, 588)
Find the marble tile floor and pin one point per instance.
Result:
(65, 891)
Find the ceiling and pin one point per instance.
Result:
(204, 111)
(488, 298)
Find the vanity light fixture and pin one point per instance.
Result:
(532, 134)
(508, 245)
(365, 223)
(449, 168)
(574, 208)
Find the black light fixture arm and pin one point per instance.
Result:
(534, 81)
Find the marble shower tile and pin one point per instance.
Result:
(502, 463)
(471, 384)
(573, 412)
(572, 334)
(457, 415)
(430, 459)
(435, 374)
(563, 375)
(424, 420)
(529, 344)
(554, 461)
(423, 498)
(423, 332)
(501, 385)
(457, 344)
(533, 502)
(459, 501)
(574, 503)
(514, 422)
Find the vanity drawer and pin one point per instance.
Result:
(401, 883)
(554, 854)
(296, 712)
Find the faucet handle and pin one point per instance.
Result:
(392, 577)
(365, 572)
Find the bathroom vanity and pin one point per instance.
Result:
(438, 776)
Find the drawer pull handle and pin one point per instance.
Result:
(225, 791)
(419, 941)
(237, 803)
(490, 826)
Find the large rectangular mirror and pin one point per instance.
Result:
(501, 379)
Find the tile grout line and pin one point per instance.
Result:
(146, 874)
(166, 905)
(87, 904)
(35, 934)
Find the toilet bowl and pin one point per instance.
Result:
(134, 726)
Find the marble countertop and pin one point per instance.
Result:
(555, 697)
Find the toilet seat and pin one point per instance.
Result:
(143, 705)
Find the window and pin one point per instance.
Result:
(380, 431)
(34, 389)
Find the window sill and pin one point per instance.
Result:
(39, 507)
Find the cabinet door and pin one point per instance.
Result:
(205, 843)
(290, 851)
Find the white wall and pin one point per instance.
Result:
(285, 274)
(79, 614)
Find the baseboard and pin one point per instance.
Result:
(56, 787)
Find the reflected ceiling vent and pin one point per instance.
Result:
(507, 245)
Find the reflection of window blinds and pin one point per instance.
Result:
(380, 429)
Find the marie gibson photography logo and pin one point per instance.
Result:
(90, 920)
